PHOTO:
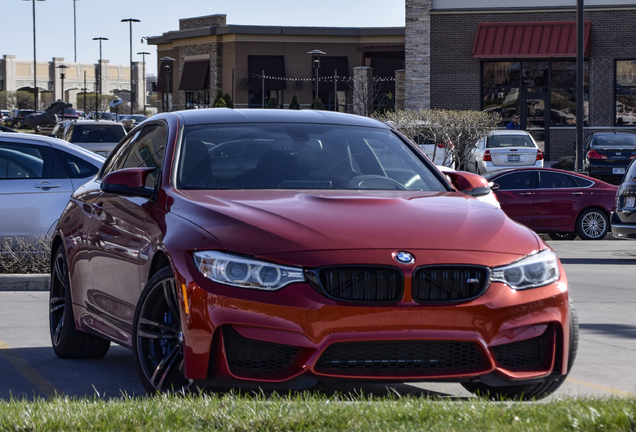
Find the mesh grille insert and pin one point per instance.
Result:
(449, 283)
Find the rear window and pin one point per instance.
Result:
(501, 141)
(614, 140)
(111, 133)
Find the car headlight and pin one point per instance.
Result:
(535, 270)
(244, 272)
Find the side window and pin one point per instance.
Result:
(75, 167)
(515, 181)
(552, 180)
(147, 150)
(19, 161)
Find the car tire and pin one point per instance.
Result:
(592, 224)
(562, 235)
(67, 341)
(535, 390)
(158, 338)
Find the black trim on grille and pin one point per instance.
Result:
(401, 358)
(449, 283)
(526, 355)
(248, 355)
(359, 283)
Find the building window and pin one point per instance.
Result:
(625, 92)
(504, 85)
(197, 99)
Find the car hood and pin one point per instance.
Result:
(270, 222)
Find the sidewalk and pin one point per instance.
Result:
(24, 282)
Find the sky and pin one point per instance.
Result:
(102, 18)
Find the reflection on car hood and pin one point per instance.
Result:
(267, 222)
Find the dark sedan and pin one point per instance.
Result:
(607, 154)
(624, 218)
(336, 252)
(561, 203)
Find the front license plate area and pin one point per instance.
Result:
(630, 202)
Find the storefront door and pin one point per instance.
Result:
(535, 119)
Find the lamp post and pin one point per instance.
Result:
(98, 90)
(132, 93)
(35, 74)
(168, 75)
(62, 69)
(143, 61)
(315, 54)
(74, 33)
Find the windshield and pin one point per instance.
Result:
(299, 156)
(110, 133)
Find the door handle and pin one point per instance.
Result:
(526, 193)
(576, 193)
(47, 185)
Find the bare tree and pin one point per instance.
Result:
(452, 131)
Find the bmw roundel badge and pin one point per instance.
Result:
(404, 257)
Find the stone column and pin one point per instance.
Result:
(362, 90)
(400, 81)
(418, 54)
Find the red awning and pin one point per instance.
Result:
(529, 39)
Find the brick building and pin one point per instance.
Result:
(256, 65)
(519, 57)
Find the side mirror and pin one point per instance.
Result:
(469, 183)
(128, 181)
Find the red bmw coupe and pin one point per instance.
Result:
(286, 248)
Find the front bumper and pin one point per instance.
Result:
(240, 335)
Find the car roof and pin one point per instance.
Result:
(27, 138)
(497, 173)
(227, 115)
(509, 132)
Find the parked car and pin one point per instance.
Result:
(608, 153)
(342, 255)
(623, 219)
(563, 204)
(504, 149)
(98, 136)
(69, 114)
(37, 176)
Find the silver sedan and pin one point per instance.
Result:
(504, 149)
(37, 176)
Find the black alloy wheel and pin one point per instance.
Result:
(158, 337)
(67, 341)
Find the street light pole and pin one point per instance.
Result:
(316, 63)
(132, 93)
(98, 91)
(168, 66)
(62, 68)
(35, 66)
(143, 60)
(74, 33)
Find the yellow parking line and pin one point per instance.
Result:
(28, 372)
(600, 387)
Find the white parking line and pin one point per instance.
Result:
(23, 368)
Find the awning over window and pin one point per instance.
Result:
(195, 75)
(529, 39)
(329, 65)
(274, 67)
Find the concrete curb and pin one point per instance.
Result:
(24, 282)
